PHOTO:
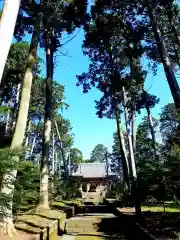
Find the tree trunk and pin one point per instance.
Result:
(53, 154)
(44, 175)
(27, 137)
(7, 122)
(16, 105)
(32, 148)
(135, 194)
(123, 152)
(7, 25)
(130, 146)
(55, 163)
(173, 84)
(62, 152)
(151, 129)
(8, 179)
(134, 131)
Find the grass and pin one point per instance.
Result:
(73, 202)
(170, 206)
(159, 209)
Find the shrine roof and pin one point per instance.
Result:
(92, 170)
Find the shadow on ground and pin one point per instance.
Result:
(162, 224)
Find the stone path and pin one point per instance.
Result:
(68, 237)
(94, 226)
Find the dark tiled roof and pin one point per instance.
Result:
(92, 170)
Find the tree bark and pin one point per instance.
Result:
(123, 152)
(134, 130)
(32, 148)
(7, 122)
(134, 190)
(62, 151)
(27, 137)
(44, 175)
(16, 105)
(173, 84)
(8, 179)
(7, 25)
(150, 121)
(130, 146)
(53, 154)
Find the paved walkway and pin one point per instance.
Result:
(68, 237)
(94, 226)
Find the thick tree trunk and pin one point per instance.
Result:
(7, 188)
(7, 25)
(44, 175)
(173, 84)
(123, 152)
(150, 121)
(135, 194)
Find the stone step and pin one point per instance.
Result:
(101, 236)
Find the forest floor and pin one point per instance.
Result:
(161, 222)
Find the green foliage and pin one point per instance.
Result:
(65, 189)
(76, 157)
(99, 153)
(26, 183)
(144, 145)
(26, 187)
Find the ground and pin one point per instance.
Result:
(160, 221)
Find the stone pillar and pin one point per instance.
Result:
(88, 187)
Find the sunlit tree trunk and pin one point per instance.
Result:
(7, 122)
(173, 84)
(130, 145)
(7, 25)
(44, 174)
(123, 152)
(16, 105)
(7, 189)
(27, 133)
(134, 131)
(132, 159)
(53, 154)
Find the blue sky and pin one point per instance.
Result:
(88, 129)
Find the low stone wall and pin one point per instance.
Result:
(49, 227)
